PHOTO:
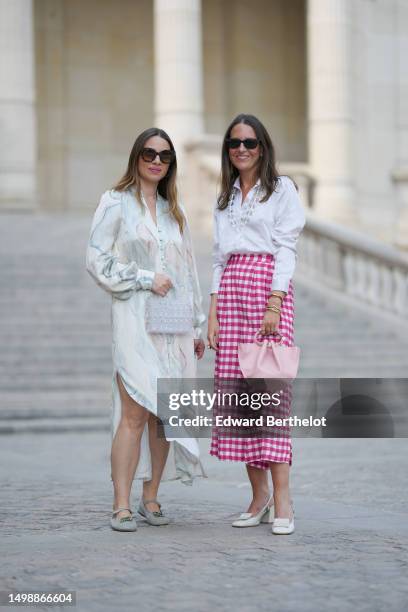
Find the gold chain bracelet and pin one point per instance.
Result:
(275, 295)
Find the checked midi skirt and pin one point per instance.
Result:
(242, 297)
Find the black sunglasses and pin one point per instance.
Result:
(149, 155)
(235, 143)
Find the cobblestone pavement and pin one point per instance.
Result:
(349, 551)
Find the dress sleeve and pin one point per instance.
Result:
(218, 260)
(198, 313)
(118, 278)
(290, 222)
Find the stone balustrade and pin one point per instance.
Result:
(369, 273)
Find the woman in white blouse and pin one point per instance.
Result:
(257, 221)
(140, 245)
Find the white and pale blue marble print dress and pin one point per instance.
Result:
(125, 250)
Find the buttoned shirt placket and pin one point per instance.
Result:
(160, 233)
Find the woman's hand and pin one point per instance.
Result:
(213, 330)
(161, 284)
(270, 322)
(271, 318)
(199, 348)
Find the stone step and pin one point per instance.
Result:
(70, 318)
(98, 361)
(86, 335)
(353, 371)
(374, 364)
(50, 351)
(29, 372)
(77, 291)
(88, 401)
(48, 411)
(18, 398)
(358, 347)
(62, 382)
(51, 425)
(81, 335)
(89, 326)
(32, 344)
(83, 380)
(62, 356)
(25, 368)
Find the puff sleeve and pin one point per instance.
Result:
(120, 279)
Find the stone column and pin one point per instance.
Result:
(330, 106)
(18, 149)
(400, 174)
(178, 70)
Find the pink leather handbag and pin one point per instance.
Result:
(268, 359)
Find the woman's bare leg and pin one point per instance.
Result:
(126, 448)
(260, 488)
(159, 450)
(281, 493)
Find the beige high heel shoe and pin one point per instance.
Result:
(265, 515)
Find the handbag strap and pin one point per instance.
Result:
(257, 334)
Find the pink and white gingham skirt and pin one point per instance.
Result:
(241, 301)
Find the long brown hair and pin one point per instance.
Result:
(268, 173)
(167, 187)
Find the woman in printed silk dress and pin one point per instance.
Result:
(140, 244)
(257, 221)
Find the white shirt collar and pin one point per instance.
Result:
(238, 186)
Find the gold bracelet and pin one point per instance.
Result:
(273, 308)
(275, 295)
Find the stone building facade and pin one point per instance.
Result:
(81, 78)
